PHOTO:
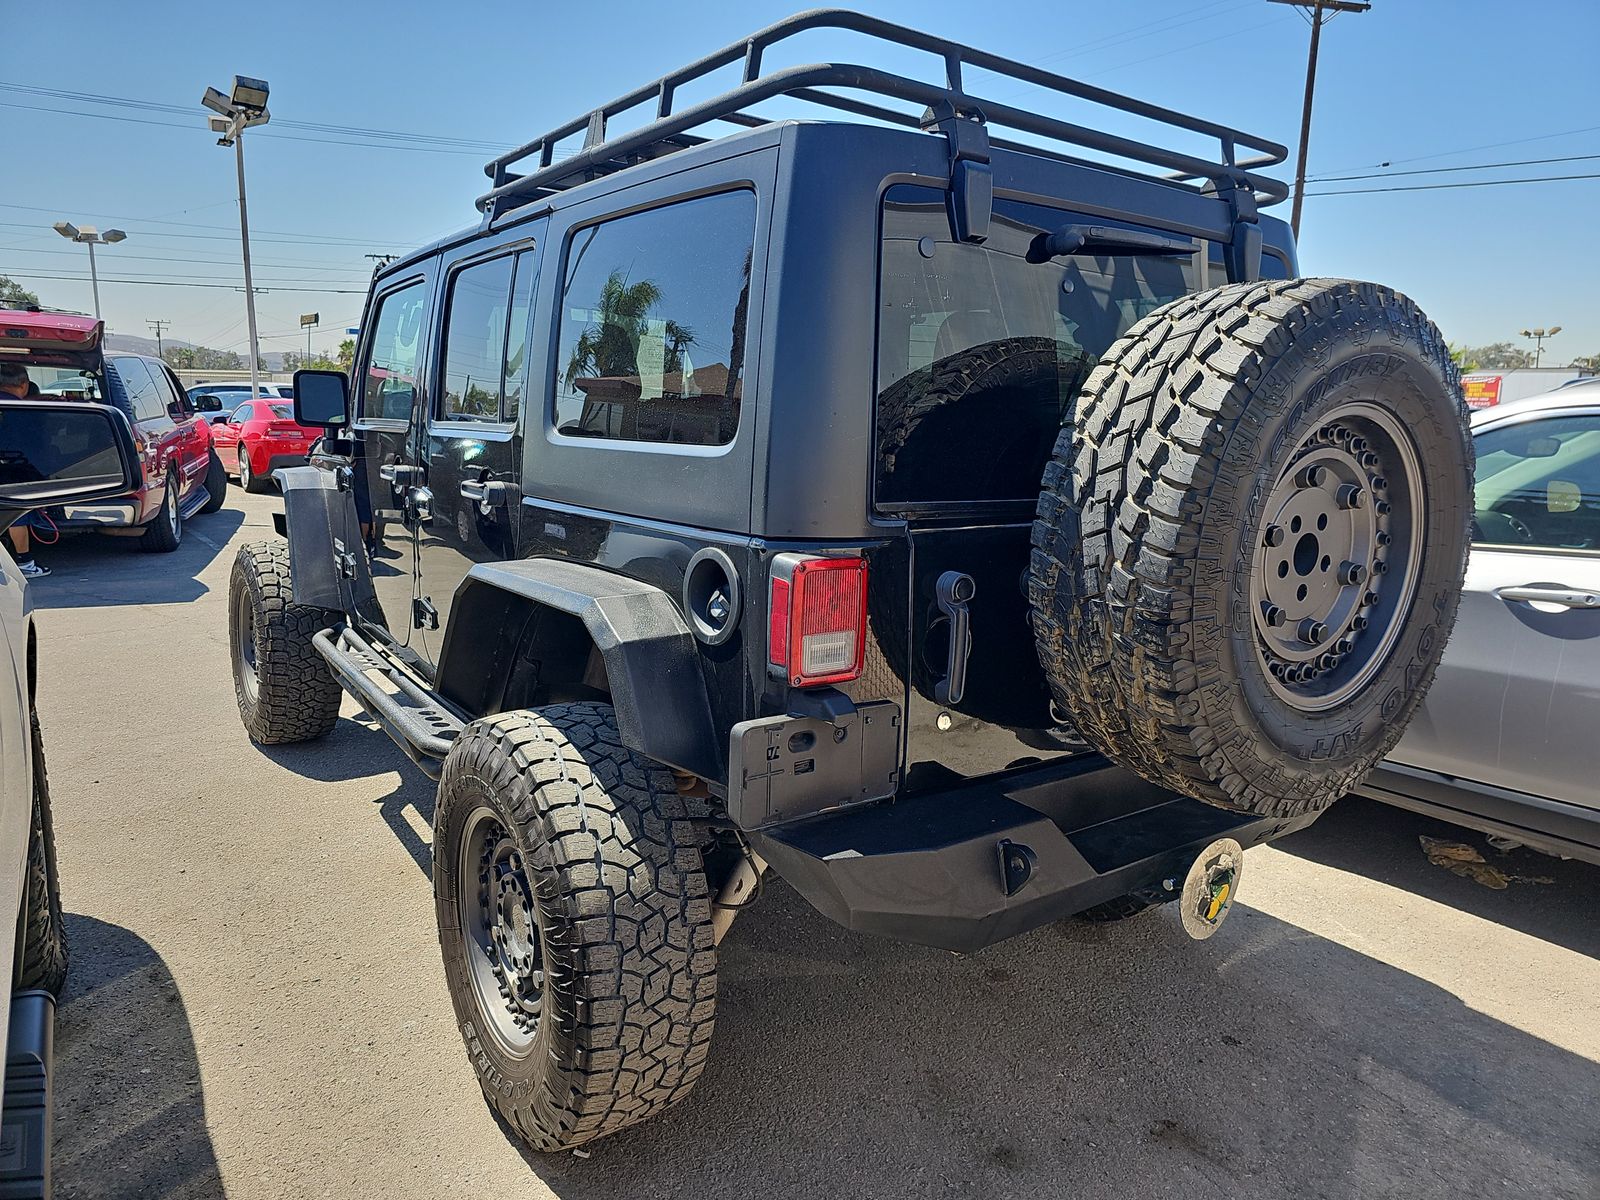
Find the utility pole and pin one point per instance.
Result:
(158, 326)
(1314, 10)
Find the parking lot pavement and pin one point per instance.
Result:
(256, 1007)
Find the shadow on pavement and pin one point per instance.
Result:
(89, 570)
(1380, 842)
(130, 1113)
(1100, 1061)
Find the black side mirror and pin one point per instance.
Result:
(66, 452)
(207, 403)
(322, 398)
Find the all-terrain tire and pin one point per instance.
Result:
(44, 940)
(216, 483)
(163, 534)
(285, 689)
(618, 889)
(1153, 518)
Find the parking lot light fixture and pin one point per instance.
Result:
(244, 107)
(1539, 336)
(91, 237)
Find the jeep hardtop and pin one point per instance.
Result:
(973, 530)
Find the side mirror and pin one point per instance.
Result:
(322, 398)
(67, 452)
(207, 403)
(180, 410)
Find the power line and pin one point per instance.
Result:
(1525, 162)
(274, 286)
(1466, 183)
(351, 272)
(1538, 137)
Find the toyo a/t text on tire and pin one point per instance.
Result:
(575, 924)
(1251, 539)
(285, 689)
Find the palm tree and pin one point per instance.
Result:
(609, 346)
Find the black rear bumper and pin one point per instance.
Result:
(966, 868)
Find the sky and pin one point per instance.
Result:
(384, 113)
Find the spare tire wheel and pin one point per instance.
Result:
(1250, 544)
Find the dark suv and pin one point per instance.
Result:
(972, 530)
(181, 475)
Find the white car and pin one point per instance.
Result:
(52, 452)
(1508, 740)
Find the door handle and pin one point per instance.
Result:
(953, 591)
(420, 501)
(398, 474)
(491, 493)
(1551, 594)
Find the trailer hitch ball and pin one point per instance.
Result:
(1210, 888)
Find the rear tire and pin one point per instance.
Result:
(216, 483)
(248, 479)
(163, 534)
(44, 942)
(575, 924)
(285, 689)
(1187, 605)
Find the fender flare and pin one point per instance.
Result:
(650, 655)
(319, 519)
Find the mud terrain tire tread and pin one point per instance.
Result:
(44, 946)
(297, 699)
(626, 912)
(1131, 539)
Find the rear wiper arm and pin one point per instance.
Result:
(1104, 239)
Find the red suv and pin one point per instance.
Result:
(260, 436)
(182, 474)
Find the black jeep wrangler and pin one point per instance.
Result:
(974, 531)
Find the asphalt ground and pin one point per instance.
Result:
(256, 1006)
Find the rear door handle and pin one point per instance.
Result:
(491, 493)
(1551, 594)
(953, 591)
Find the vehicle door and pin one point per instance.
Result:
(473, 447)
(1516, 703)
(191, 446)
(982, 351)
(391, 399)
(225, 435)
(153, 426)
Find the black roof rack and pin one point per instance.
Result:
(950, 109)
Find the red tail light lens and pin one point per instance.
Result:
(817, 624)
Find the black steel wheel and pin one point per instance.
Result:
(574, 923)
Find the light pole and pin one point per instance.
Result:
(1538, 336)
(243, 108)
(91, 237)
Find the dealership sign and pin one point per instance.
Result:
(1481, 391)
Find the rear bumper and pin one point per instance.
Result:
(105, 515)
(932, 869)
(277, 461)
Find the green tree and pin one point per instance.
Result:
(14, 295)
(1462, 357)
(1588, 363)
(347, 354)
(1498, 356)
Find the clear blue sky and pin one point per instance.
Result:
(1414, 83)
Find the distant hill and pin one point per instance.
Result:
(132, 343)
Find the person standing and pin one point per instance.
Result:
(14, 383)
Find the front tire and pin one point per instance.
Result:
(285, 689)
(574, 922)
(163, 535)
(44, 937)
(1250, 543)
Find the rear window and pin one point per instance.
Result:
(652, 324)
(282, 411)
(982, 353)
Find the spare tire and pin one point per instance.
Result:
(1251, 540)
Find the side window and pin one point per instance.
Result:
(475, 324)
(241, 414)
(517, 335)
(1538, 484)
(389, 374)
(166, 394)
(143, 399)
(653, 308)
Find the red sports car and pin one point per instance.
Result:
(257, 438)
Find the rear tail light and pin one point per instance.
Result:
(282, 427)
(817, 619)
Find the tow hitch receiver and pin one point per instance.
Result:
(1210, 888)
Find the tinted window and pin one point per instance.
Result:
(475, 342)
(1538, 484)
(166, 393)
(517, 335)
(652, 324)
(144, 401)
(389, 377)
(282, 411)
(981, 353)
(241, 414)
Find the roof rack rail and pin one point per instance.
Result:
(950, 109)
